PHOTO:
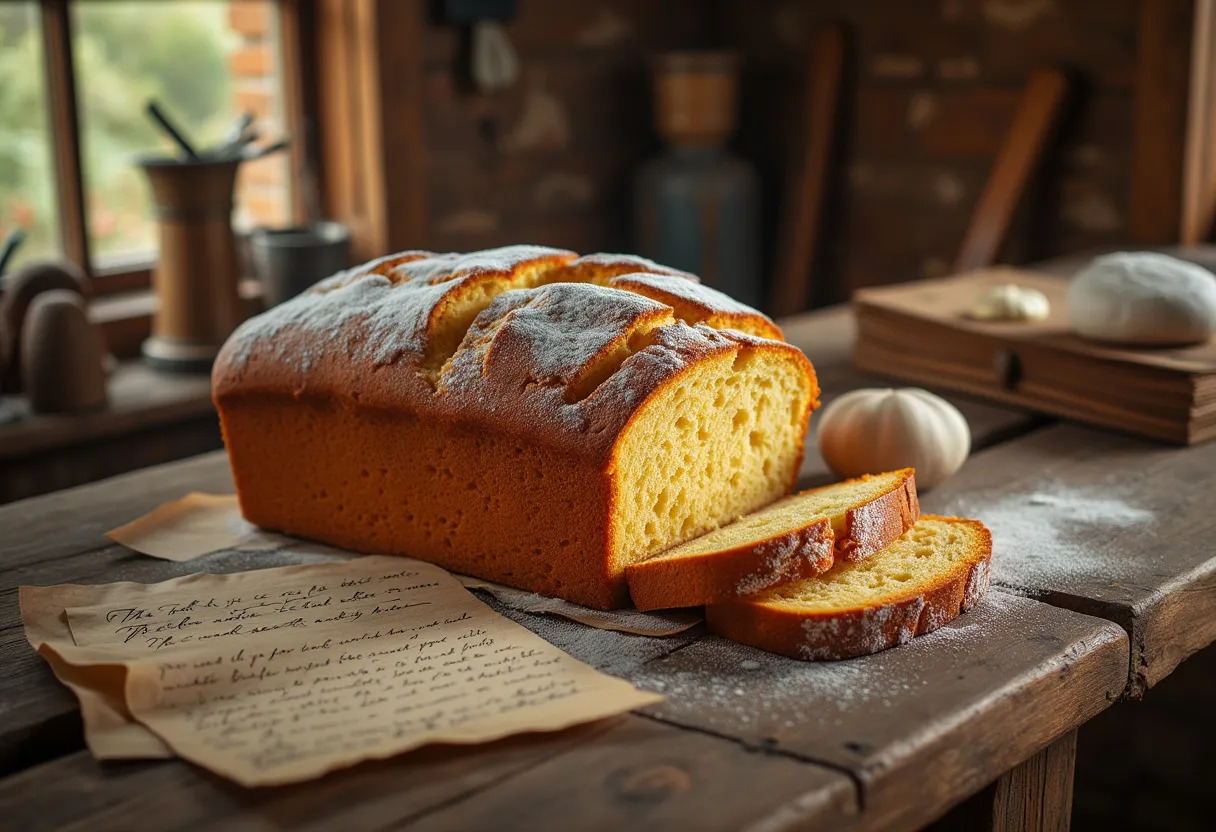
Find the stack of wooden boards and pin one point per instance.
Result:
(839, 571)
(920, 331)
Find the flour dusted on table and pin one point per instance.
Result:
(1056, 533)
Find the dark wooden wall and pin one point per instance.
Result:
(931, 87)
(551, 159)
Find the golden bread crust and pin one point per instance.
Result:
(601, 268)
(858, 631)
(873, 525)
(696, 303)
(428, 361)
(662, 583)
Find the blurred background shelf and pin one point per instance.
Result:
(152, 418)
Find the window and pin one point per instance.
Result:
(74, 80)
(27, 173)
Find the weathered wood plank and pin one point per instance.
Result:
(827, 336)
(920, 727)
(59, 538)
(1106, 525)
(1159, 124)
(55, 469)
(629, 771)
(1036, 796)
(682, 779)
(75, 520)
(151, 418)
(139, 398)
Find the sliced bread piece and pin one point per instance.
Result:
(793, 538)
(923, 580)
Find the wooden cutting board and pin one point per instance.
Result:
(920, 332)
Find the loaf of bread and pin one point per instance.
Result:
(936, 570)
(523, 415)
(797, 537)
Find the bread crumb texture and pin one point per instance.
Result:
(522, 414)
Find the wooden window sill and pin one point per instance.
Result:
(140, 398)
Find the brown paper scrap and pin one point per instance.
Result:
(200, 524)
(280, 675)
(659, 624)
(197, 524)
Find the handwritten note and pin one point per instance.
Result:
(280, 675)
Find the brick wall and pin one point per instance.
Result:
(263, 190)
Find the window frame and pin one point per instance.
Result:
(64, 118)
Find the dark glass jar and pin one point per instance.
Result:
(697, 206)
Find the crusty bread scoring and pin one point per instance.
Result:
(504, 414)
(798, 537)
(923, 580)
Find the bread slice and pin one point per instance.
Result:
(923, 580)
(793, 538)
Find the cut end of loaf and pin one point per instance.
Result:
(923, 580)
(719, 441)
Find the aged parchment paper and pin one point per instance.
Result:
(195, 525)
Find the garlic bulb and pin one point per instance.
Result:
(873, 430)
(1143, 297)
(1010, 302)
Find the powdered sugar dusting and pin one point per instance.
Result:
(448, 267)
(1056, 534)
(977, 583)
(779, 558)
(391, 323)
(723, 685)
(698, 294)
(935, 617)
(566, 324)
(619, 263)
(872, 630)
(391, 299)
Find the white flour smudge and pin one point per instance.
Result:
(1057, 535)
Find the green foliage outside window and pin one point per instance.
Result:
(125, 53)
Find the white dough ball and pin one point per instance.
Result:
(1143, 298)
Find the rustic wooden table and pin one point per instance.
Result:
(1104, 581)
